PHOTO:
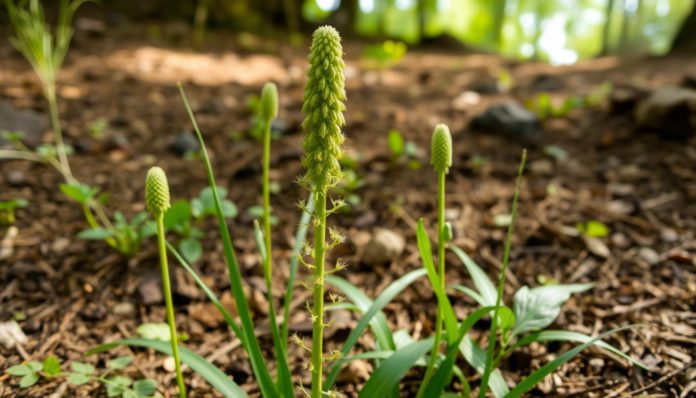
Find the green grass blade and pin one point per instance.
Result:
(484, 286)
(471, 293)
(284, 380)
(391, 371)
(501, 280)
(530, 381)
(380, 302)
(476, 357)
(442, 300)
(211, 296)
(575, 337)
(263, 376)
(300, 236)
(222, 383)
(444, 371)
(378, 323)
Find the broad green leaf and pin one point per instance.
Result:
(179, 214)
(191, 249)
(593, 229)
(145, 387)
(36, 366)
(154, 331)
(116, 385)
(443, 302)
(51, 366)
(18, 370)
(375, 308)
(392, 370)
(219, 380)
(530, 381)
(78, 379)
(97, 233)
(81, 367)
(119, 363)
(229, 209)
(484, 286)
(537, 308)
(28, 380)
(476, 357)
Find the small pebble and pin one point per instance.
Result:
(649, 255)
(16, 178)
(124, 309)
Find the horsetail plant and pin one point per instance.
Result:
(157, 202)
(269, 111)
(324, 97)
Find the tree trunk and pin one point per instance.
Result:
(687, 33)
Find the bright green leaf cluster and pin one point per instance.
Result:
(324, 98)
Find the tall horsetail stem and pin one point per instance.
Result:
(441, 160)
(269, 111)
(157, 201)
(323, 106)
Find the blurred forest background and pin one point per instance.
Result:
(557, 31)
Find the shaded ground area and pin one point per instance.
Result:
(77, 294)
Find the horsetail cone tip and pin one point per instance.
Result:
(323, 106)
(156, 191)
(441, 149)
(269, 101)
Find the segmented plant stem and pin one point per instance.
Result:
(318, 309)
(441, 273)
(167, 288)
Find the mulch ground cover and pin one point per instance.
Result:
(76, 294)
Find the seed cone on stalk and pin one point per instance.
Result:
(323, 106)
(441, 149)
(157, 191)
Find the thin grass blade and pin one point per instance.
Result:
(530, 381)
(222, 383)
(263, 376)
(380, 302)
(389, 374)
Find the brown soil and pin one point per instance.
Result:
(641, 185)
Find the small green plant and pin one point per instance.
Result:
(384, 55)
(97, 127)
(123, 235)
(348, 188)
(184, 217)
(544, 107)
(402, 150)
(7, 210)
(45, 51)
(115, 383)
(157, 201)
(441, 160)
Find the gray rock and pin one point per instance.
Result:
(32, 123)
(184, 143)
(669, 110)
(384, 246)
(509, 118)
